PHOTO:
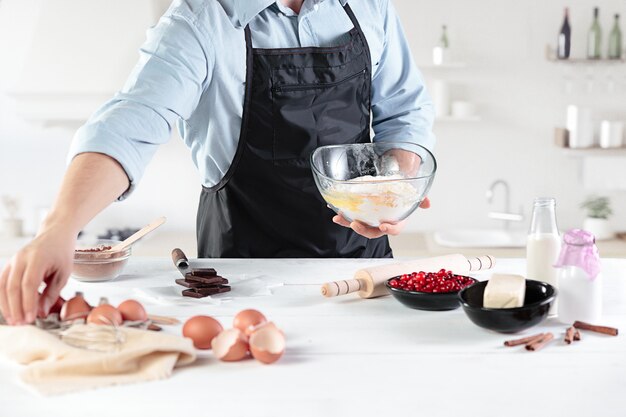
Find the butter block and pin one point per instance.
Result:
(505, 291)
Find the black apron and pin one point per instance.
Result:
(267, 204)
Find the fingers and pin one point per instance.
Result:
(340, 220)
(14, 292)
(425, 203)
(33, 276)
(4, 303)
(391, 229)
(367, 231)
(52, 292)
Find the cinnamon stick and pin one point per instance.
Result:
(611, 331)
(577, 335)
(538, 344)
(569, 335)
(524, 340)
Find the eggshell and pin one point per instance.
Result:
(75, 308)
(247, 320)
(105, 314)
(55, 309)
(230, 345)
(267, 343)
(201, 330)
(132, 311)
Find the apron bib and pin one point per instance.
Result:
(267, 204)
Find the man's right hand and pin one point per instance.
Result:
(91, 183)
(47, 259)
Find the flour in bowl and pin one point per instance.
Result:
(374, 200)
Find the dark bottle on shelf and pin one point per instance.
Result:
(615, 40)
(594, 37)
(565, 37)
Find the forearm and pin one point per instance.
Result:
(91, 183)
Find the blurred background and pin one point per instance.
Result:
(508, 109)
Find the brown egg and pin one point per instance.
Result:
(267, 343)
(132, 311)
(247, 320)
(230, 345)
(75, 308)
(202, 330)
(105, 314)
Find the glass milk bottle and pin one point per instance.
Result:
(543, 244)
(580, 280)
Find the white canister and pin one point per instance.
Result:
(580, 280)
(441, 98)
(611, 134)
(580, 126)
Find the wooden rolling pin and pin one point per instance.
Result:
(370, 282)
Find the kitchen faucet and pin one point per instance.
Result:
(506, 216)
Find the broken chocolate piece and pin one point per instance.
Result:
(205, 292)
(205, 280)
(194, 284)
(154, 327)
(192, 293)
(218, 289)
(204, 272)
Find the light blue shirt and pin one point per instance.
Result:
(191, 73)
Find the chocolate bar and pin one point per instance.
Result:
(193, 294)
(205, 280)
(194, 284)
(203, 272)
(218, 289)
(205, 292)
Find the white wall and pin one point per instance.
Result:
(521, 99)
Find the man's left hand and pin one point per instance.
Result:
(370, 232)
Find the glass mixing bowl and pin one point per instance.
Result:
(91, 264)
(374, 183)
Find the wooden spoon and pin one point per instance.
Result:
(137, 235)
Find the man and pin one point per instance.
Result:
(254, 86)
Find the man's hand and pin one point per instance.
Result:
(47, 259)
(370, 232)
(92, 182)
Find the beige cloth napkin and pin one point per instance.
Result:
(54, 367)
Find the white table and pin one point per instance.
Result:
(348, 356)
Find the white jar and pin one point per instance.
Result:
(580, 298)
(580, 279)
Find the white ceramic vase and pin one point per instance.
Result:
(601, 228)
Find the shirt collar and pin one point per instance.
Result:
(245, 10)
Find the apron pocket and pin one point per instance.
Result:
(307, 116)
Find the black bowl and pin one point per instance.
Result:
(426, 300)
(539, 298)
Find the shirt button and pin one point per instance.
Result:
(316, 7)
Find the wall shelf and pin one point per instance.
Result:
(584, 152)
(551, 56)
(587, 62)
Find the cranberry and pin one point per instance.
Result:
(442, 281)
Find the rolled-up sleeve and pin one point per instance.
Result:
(401, 107)
(165, 86)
